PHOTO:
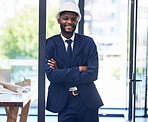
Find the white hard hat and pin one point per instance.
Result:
(69, 6)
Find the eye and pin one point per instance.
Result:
(65, 18)
(74, 19)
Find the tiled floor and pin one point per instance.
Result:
(54, 119)
(33, 117)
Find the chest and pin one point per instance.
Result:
(80, 53)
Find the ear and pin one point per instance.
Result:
(59, 21)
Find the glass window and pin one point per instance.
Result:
(19, 41)
(106, 22)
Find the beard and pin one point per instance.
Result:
(67, 32)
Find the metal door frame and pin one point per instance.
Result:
(132, 62)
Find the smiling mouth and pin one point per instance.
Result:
(68, 27)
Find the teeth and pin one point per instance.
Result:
(69, 26)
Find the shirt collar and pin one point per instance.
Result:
(72, 38)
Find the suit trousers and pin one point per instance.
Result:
(76, 111)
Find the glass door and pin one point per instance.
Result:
(141, 56)
(137, 66)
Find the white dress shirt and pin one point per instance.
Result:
(66, 45)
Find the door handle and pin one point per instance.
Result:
(136, 80)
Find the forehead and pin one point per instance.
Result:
(69, 13)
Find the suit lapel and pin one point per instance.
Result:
(75, 48)
(63, 53)
(62, 50)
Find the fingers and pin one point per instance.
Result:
(52, 63)
(83, 68)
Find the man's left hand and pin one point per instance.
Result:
(52, 63)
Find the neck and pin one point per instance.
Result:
(67, 35)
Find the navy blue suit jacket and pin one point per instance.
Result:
(61, 79)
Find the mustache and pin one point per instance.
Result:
(63, 28)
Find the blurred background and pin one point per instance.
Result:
(105, 20)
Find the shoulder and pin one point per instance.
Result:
(52, 38)
(85, 39)
(83, 36)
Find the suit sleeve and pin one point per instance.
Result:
(92, 72)
(58, 75)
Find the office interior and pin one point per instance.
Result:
(120, 31)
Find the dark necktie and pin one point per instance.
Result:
(69, 50)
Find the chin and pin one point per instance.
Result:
(69, 32)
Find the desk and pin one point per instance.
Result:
(12, 102)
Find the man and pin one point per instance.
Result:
(71, 66)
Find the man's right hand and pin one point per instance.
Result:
(83, 68)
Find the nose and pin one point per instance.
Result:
(69, 21)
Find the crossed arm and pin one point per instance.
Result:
(52, 63)
(74, 75)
